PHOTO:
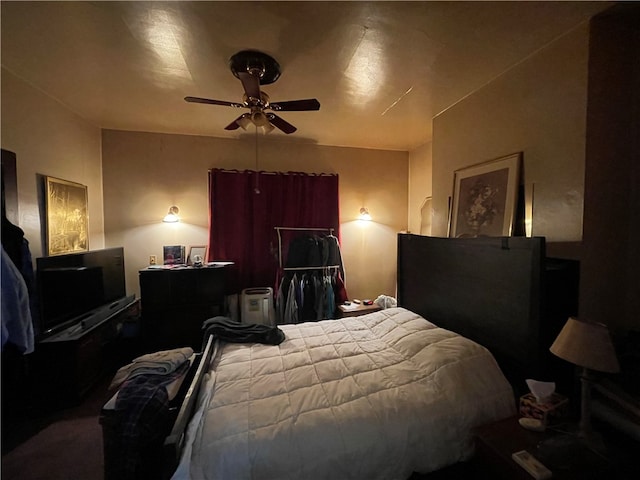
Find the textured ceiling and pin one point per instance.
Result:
(381, 70)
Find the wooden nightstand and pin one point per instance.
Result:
(355, 310)
(496, 442)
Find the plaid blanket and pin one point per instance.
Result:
(142, 406)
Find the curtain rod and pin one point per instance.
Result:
(302, 228)
(273, 173)
(295, 269)
(277, 229)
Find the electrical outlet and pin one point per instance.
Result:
(152, 259)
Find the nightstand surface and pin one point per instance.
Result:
(355, 310)
(496, 442)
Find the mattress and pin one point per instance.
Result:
(377, 396)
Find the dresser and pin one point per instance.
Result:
(176, 301)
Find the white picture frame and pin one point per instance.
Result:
(197, 250)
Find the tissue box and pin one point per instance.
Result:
(555, 407)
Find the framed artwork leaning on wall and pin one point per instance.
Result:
(67, 216)
(484, 198)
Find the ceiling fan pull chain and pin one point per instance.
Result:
(256, 188)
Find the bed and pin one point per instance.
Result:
(377, 396)
(385, 394)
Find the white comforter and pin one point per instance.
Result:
(376, 396)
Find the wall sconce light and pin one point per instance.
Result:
(364, 214)
(172, 216)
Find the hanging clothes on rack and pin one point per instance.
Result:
(334, 255)
(307, 295)
(291, 306)
(311, 276)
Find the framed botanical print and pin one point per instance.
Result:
(484, 198)
(67, 216)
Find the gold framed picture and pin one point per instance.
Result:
(484, 198)
(67, 216)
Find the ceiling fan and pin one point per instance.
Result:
(254, 68)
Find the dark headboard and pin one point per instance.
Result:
(493, 290)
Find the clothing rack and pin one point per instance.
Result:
(317, 286)
(328, 267)
(300, 229)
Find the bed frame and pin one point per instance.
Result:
(500, 292)
(174, 442)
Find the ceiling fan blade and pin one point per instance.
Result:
(283, 125)
(251, 85)
(296, 105)
(233, 125)
(213, 102)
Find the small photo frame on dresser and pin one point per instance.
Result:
(174, 255)
(197, 255)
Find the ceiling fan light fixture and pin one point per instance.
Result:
(259, 119)
(244, 121)
(267, 128)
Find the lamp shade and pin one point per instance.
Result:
(586, 344)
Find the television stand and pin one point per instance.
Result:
(70, 362)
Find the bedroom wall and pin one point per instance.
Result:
(572, 109)
(146, 173)
(48, 139)
(538, 107)
(609, 288)
(420, 181)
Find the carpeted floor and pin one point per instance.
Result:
(67, 444)
(61, 445)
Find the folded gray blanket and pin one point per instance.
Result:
(160, 363)
(226, 329)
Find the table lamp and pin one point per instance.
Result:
(587, 345)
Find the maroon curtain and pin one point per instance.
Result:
(246, 206)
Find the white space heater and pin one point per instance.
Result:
(257, 306)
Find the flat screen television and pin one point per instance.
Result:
(71, 286)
